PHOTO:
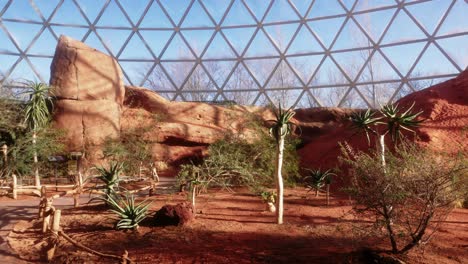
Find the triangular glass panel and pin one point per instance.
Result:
(403, 56)
(426, 63)
(261, 46)
(436, 8)
(305, 66)
(44, 45)
(239, 37)
(353, 100)
(157, 80)
(7, 63)
(22, 33)
(7, 45)
(351, 62)
(281, 34)
(456, 21)
(75, 33)
(284, 97)
(404, 91)
(113, 17)
(378, 94)
(219, 70)
(45, 7)
(377, 69)
(114, 38)
(135, 49)
(329, 96)
(199, 81)
(42, 66)
(302, 6)
(177, 49)
(178, 71)
(93, 41)
(374, 23)
(241, 97)
(23, 72)
(156, 39)
(326, 29)
(168, 96)
(91, 8)
(21, 9)
(216, 8)
(263, 100)
(395, 34)
(351, 37)
(176, 9)
(68, 13)
(283, 77)
(155, 18)
(258, 7)
(204, 97)
(304, 42)
(198, 39)
(374, 4)
(237, 11)
(134, 9)
(325, 8)
(329, 73)
(262, 68)
(197, 17)
(240, 80)
(135, 71)
(419, 84)
(458, 53)
(219, 48)
(280, 11)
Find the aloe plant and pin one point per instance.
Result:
(128, 212)
(37, 113)
(110, 176)
(281, 127)
(317, 179)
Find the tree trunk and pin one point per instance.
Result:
(328, 194)
(391, 234)
(194, 194)
(279, 180)
(381, 148)
(316, 192)
(37, 180)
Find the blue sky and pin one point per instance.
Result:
(156, 28)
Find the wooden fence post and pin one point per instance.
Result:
(47, 213)
(14, 186)
(55, 229)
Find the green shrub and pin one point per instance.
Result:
(415, 189)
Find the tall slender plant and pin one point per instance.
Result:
(37, 113)
(281, 127)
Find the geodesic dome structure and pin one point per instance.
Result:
(301, 53)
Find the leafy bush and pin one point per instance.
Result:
(233, 161)
(406, 196)
(129, 214)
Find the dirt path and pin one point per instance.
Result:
(12, 211)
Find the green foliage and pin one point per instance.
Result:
(233, 161)
(316, 179)
(268, 196)
(392, 120)
(413, 190)
(21, 151)
(110, 176)
(10, 120)
(129, 214)
(281, 125)
(38, 108)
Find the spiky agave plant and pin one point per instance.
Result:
(282, 126)
(396, 121)
(110, 176)
(317, 179)
(129, 214)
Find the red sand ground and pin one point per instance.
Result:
(234, 228)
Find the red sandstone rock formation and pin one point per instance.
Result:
(444, 106)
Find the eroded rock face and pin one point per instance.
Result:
(89, 90)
